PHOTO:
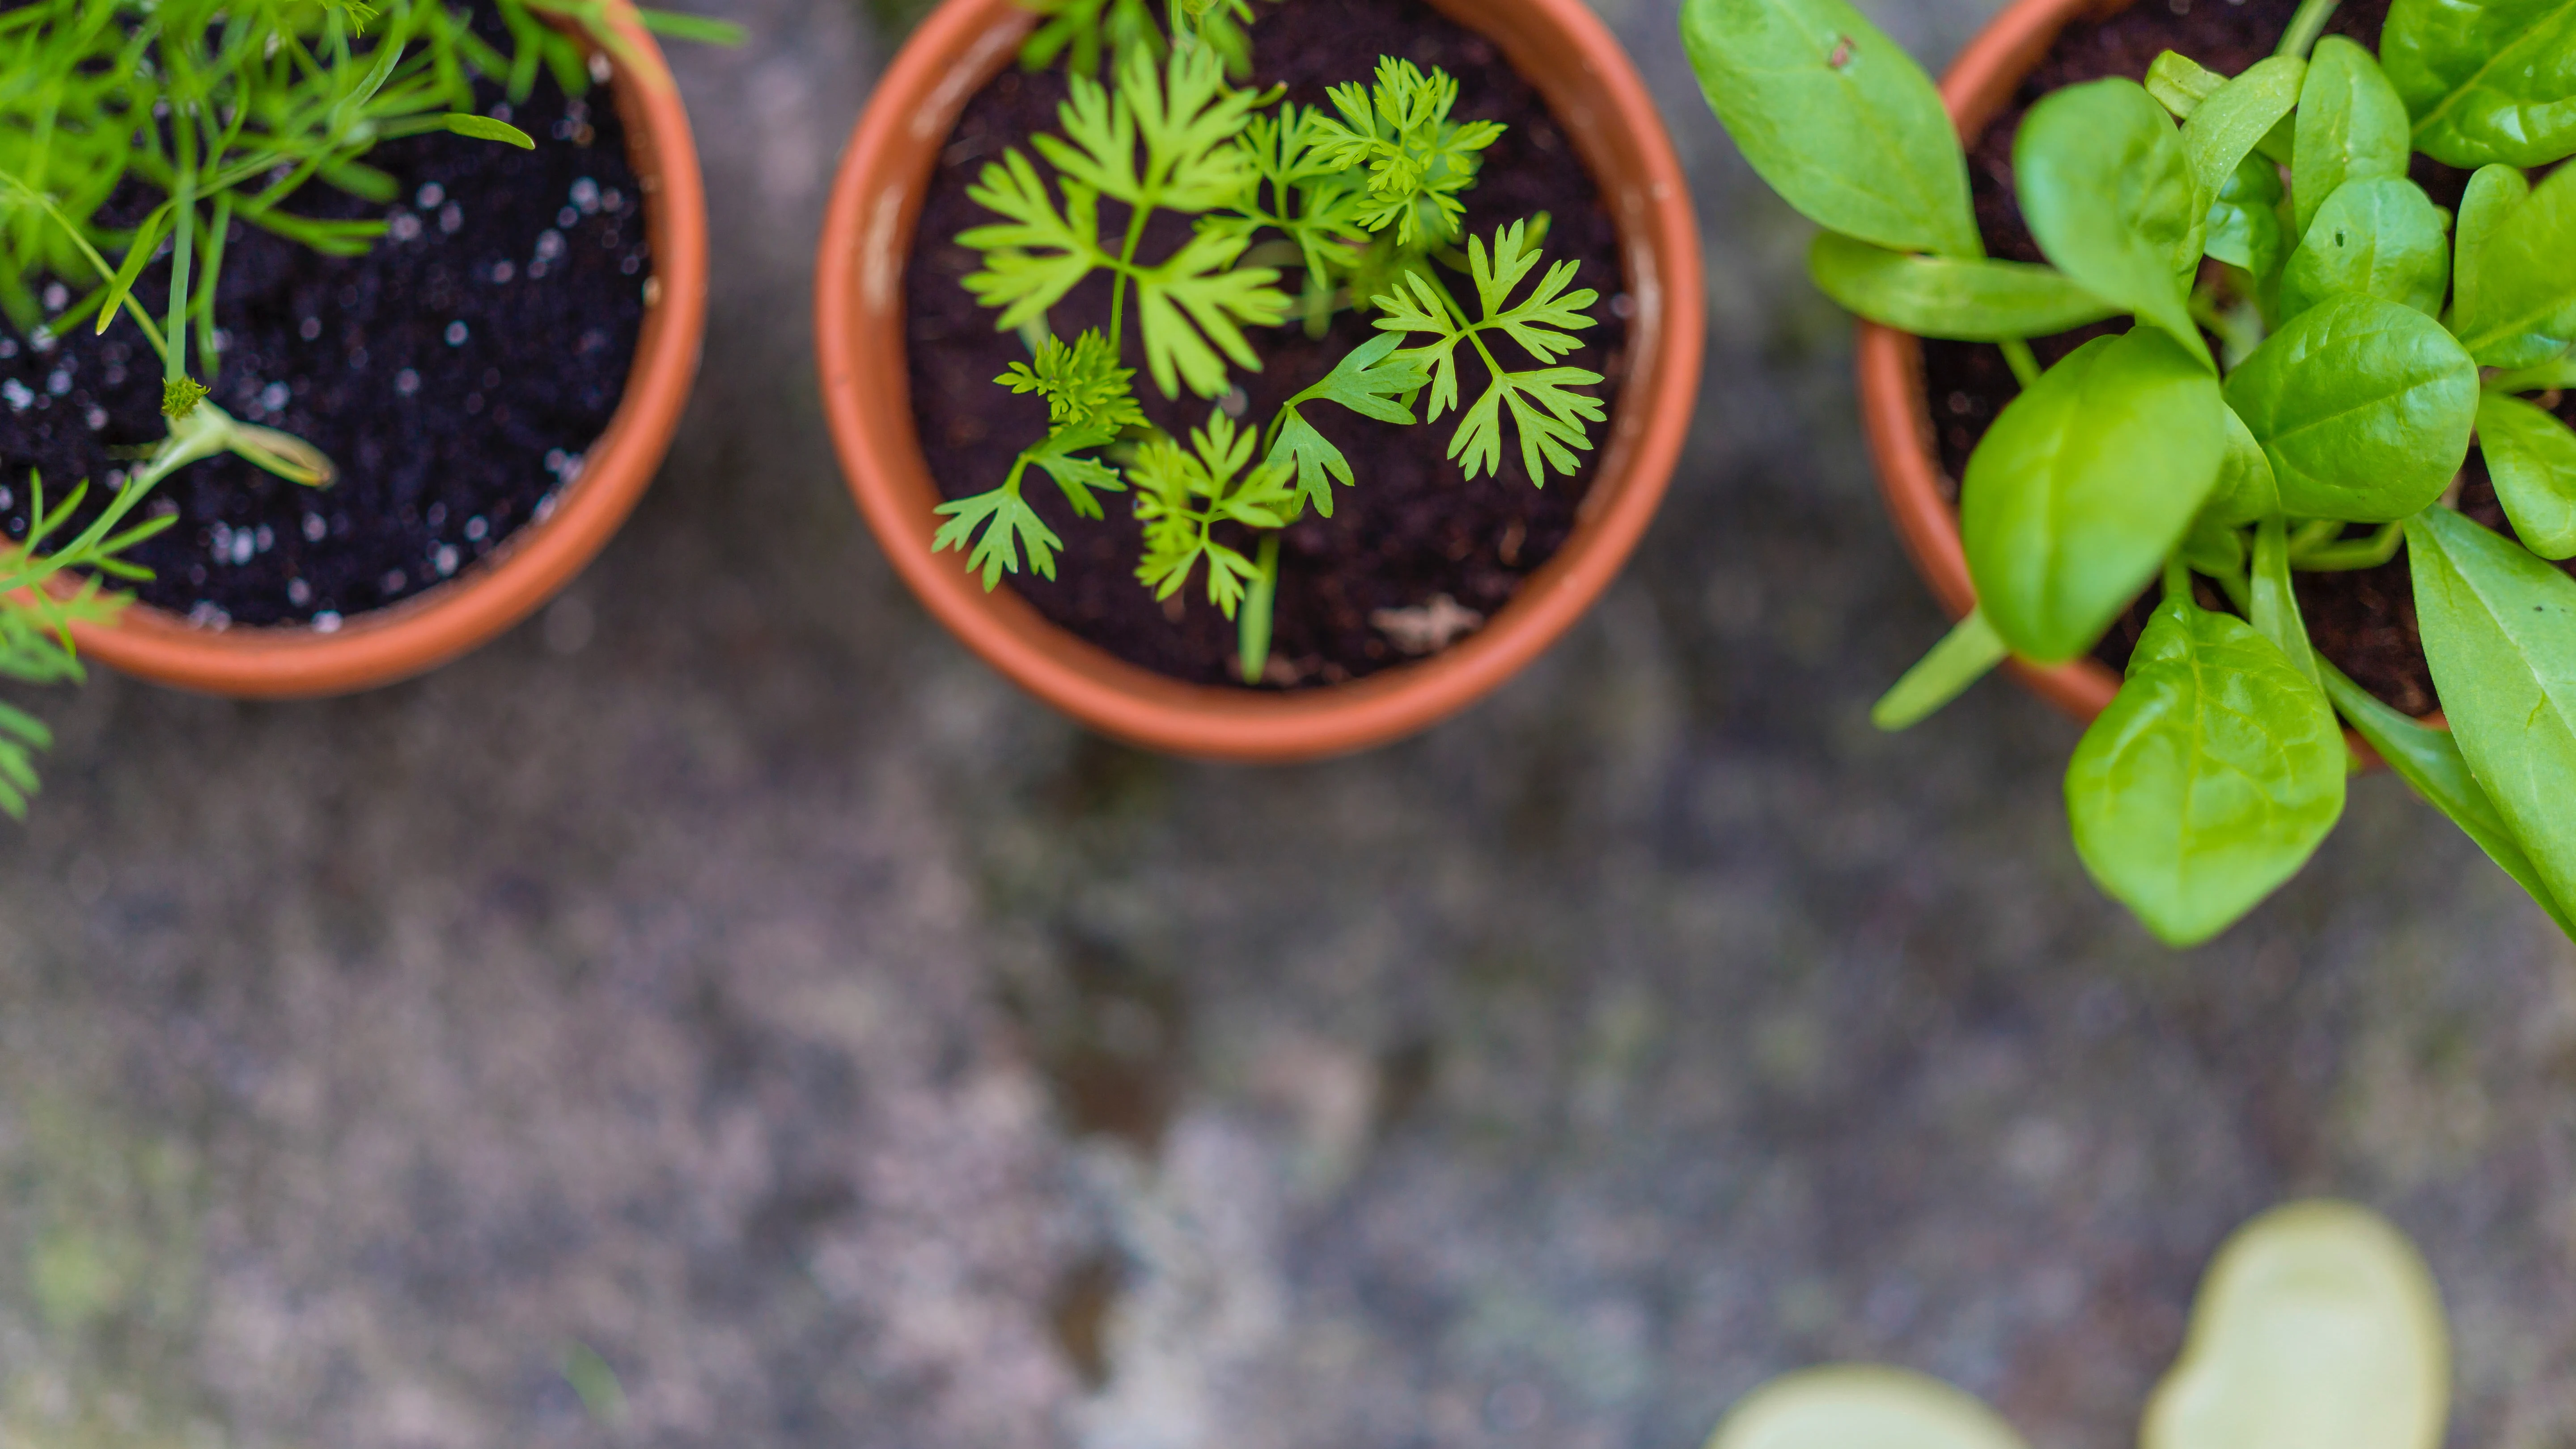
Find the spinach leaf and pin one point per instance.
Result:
(1965, 655)
(2180, 83)
(1967, 299)
(2532, 458)
(2364, 408)
(2210, 779)
(2491, 197)
(2244, 227)
(2225, 128)
(1838, 119)
(2245, 490)
(2380, 237)
(2488, 80)
(2109, 197)
(2522, 309)
(2351, 126)
(2430, 760)
(1862, 1406)
(2499, 630)
(2083, 485)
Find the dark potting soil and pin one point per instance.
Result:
(455, 374)
(1413, 529)
(2362, 620)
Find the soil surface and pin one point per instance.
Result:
(456, 374)
(1413, 530)
(2362, 620)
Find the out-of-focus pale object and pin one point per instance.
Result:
(1862, 1406)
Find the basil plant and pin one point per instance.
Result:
(2313, 346)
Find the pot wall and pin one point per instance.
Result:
(867, 241)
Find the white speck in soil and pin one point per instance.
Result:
(393, 581)
(267, 538)
(17, 394)
(630, 265)
(550, 244)
(274, 397)
(314, 528)
(450, 218)
(57, 297)
(405, 226)
(7, 498)
(455, 334)
(41, 339)
(209, 615)
(309, 328)
(8, 346)
(298, 592)
(475, 528)
(502, 272)
(1623, 306)
(567, 218)
(545, 508)
(536, 270)
(501, 112)
(96, 417)
(245, 547)
(406, 382)
(326, 622)
(429, 195)
(437, 515)
(585, 194)
(599, 69)
(446, 560)
(612, 201)
(59, 383)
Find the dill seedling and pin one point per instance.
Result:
(1367, 201)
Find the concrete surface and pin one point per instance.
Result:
(723, 1013)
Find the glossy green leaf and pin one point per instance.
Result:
(2102, 181)
(2380, 237)
(2521, 311)
(2363, 406)
(2180, 83)
(2351, 127)
(1965, 655)
(1861, 1406)
(2499, 630)
(2244, 225)
(1837, 118)
(2225, 128)
(2487, 80)
(2317, 1327)
(2430, 760)
(2210, 779)
(2245, 490)
(1968, 299)
(2531, 455)
(2083, 485)
(484, 128)
(2492, 196)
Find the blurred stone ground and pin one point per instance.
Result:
(722, 1013)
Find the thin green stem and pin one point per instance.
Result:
(2177, 576)
(174, 363)
(1126, 266)
(2359, 553)
(2305, 27)
(2024, 363)
(1252, 637)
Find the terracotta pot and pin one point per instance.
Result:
(1979, 84)
(867, 241)
(382, 646)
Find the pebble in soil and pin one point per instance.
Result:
(456, 374)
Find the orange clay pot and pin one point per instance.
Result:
(1892, 404)
(382, 646)
(867, 240)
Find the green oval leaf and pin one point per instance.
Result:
(1837, 118)
(2430, 760)
(2351, 126)
(2531, 455)
(2317, 1327)
(2225, 128)
(2210, 779)
(2487, 80)
(484, 128)
(2499, 630)
(2102, 180)
(1861, 1406)
(2380, 237)
(2245, 490)
(2083, 485)
(2492, 196)
(2362, 406)
(1968, 300)
(2244, 225)
(2521, 310)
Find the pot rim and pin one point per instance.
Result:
(1595, 93)
(383, 646)
(1895, 412)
